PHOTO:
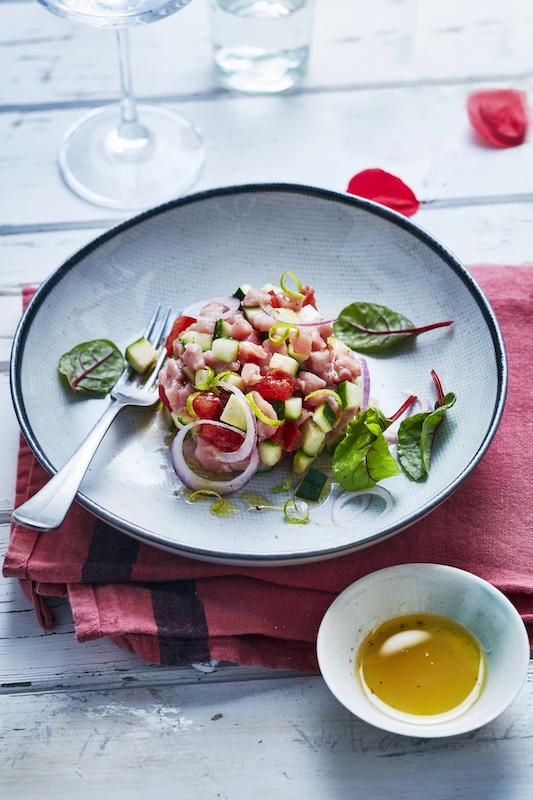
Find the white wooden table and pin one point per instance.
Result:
(386, 87)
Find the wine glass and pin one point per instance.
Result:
(114, 156)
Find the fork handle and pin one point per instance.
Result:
(47, 509)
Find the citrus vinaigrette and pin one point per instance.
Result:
(421, 664)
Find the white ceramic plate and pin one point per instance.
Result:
(210, 243)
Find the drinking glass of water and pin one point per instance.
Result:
(261, 46)
(124, 156)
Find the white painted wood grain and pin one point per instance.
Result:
(47, 61)
(316, 139)
(285, 739)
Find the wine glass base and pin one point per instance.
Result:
(164, 170)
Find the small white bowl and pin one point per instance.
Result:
(435, 589)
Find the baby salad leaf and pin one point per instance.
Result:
(362, 458)
(374, 329)
(92, 367)
(416, 435)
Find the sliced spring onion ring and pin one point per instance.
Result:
(209, 493)
(227, 375)
(195, 482)
(232, 305)
(366, 495)
(189, 405)
(275, 423)
(296, 295)
(296, 511)
(323, 394)
(365, 374)
(280, 332)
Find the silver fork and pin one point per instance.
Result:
(47, 509)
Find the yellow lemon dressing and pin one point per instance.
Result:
(422, 665)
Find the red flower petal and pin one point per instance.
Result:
(384, 188)
(499, 116)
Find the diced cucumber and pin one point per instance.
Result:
(299, 357)
(222, 328)
(203, 378)
(262, 468)
(279, 408)
(286, 363)
(313, 438)
(225, 349)
(197, 337)
(312, 484)
(234, 414)
(269, 453)
(181, 419)
(333, 439)
(293, 408)
(242, 291)
(309, 314)
(189, 374)
(140, 355)
(338, 344)
(249, 312)
(350, 394)
(301, 462)
(235, 379)
(324, 416)
(269, 287)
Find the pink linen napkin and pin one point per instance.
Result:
(172, 610)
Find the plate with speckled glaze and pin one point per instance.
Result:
(208, 244)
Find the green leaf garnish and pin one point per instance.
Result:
(362, 458)
(416, 436)
(92, 367)
(374, 329)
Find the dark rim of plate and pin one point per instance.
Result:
(263, 559)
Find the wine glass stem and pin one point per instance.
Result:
(131, 140)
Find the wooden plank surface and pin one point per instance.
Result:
(289, 739)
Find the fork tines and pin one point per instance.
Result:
(155, 330)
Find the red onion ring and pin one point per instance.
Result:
(345, 497)
(231, 302)
(315, 324)
(194, 481)
(366, 384)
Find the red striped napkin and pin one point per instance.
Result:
(176, 611)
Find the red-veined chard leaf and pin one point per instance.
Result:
(375, 329)
(416, 435)
(92, 367)
(362, 458)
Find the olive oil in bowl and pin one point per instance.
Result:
(421, 667)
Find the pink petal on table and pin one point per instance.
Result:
(384, 188)
(499, 116)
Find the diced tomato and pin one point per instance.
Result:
(180, 324)
(309, 296)
(275, 302)
(292, 437)
(222, 438)
(206, 405)
(223, 398)
(163, 397)
(277, 385)
(277, 434)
